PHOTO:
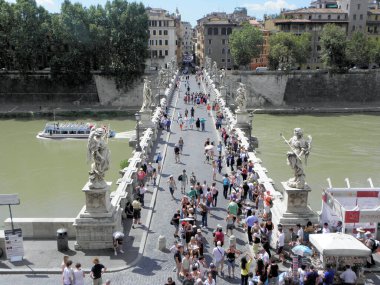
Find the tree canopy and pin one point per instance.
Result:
(113, 38)
(245, 44)
(287, 50)
(333, 46)
(358, 50)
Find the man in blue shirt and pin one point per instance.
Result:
(250, 221)
(328, 278)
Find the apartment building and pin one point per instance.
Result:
(164, 31)
(187, 38)
(213, 33)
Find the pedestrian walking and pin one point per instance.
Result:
(218, 254)
(180, 144)
(184, 181)
(117, 240)
(245, 265)
(176, 153)
(226, 185)
(231, 254)
(175, 222)
(97, 271)
(136, 212)
(215, 193)
(172, 185)
(203, 123)
(197, 124)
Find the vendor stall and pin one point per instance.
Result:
(354, 207)
(339, 250)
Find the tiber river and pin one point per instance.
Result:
(48, 175)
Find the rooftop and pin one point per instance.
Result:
(315, 11)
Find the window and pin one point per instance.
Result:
(209, 31)
(319, 17)
(358, 6)
(160, 42)
(159, 23)
(309, 17)
(165, 32)
(329, 17)
(160, 53)
(160, 32)
(229, 31)
(224, 31)
(154, 32)
(228, 60)
(354, 17)
(223, 51)
(338, 17)
(216, 31)
(166, 42)
(209, 42)
(223, 60)
(353, 27)
(166, 52)
(361, 16)
(223, 41)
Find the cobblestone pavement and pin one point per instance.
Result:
(155, 266)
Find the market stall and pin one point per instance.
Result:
(354, 207)
(339, 250)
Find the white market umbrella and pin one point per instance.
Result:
(338, 244)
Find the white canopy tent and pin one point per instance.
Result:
(338, 244)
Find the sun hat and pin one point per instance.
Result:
(360, 230)
(368, 233)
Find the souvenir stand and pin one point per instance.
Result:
(339, 250)
(354, 207)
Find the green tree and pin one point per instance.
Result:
(358, 50)
(333, 46)
(245, 44)
(28, 37)
(374, 51)
(6, 25)
(287, 50)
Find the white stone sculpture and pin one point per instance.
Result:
(99, 156)
(147, 96)
(208, 64)
(241, 98)
(161, 78)
(299, 148)
(222, 76)
(214, 71)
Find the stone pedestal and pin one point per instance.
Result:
(291, 210)
(242, 120)
(97, 220)
(146, 120)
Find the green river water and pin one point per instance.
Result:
(48, 175)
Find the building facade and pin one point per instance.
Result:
(164, 31)
(186, 38)
(213, 32)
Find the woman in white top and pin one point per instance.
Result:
(78, 275)
(67, 275)
(209, 280)
(302, 274)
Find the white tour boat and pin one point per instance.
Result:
(69, 130)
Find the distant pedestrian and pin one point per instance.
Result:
(97, 271)
(172, 185)
(170, 281)
(168, 124)
(117, 238)
(79, 275)
(184, 181)
(198, 124)
(203, 123)
(177, 151)
(181, 144)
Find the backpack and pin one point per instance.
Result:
(180, 178)
(209, 197)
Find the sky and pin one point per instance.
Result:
(192, 10)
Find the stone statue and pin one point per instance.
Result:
(241, 98)
(299, 148)
(214, 71)
(208, 64)
(147, 96)
(169, 69)
(161, 78)
(99, 154)
(222, 77)
(174, 64)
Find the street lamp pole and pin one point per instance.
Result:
(138, 118)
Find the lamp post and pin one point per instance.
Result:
(138, 118)
(250, 131)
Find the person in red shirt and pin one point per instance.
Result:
(141, 176)
(219, 236)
